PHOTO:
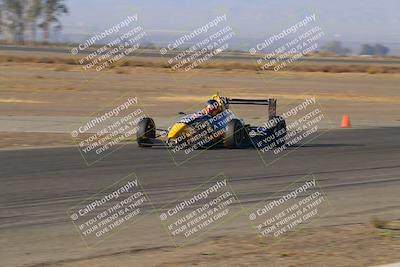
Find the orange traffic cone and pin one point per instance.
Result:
(345, 121)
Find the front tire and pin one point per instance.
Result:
(146, 132)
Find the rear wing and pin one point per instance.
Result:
(271, 103)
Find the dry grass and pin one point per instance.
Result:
(121, 71)
(232, 65)
(378, 223)
(62, 68)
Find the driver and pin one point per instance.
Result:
(212, 108)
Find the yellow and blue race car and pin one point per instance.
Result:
(215, 124)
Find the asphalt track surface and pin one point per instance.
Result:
(357, 168)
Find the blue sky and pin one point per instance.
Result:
(347, 20)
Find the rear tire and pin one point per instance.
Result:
(235, 134)
(279, 133)
(146, 131)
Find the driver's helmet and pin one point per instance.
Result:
(212, 107)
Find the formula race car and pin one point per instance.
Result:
(215, 124)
